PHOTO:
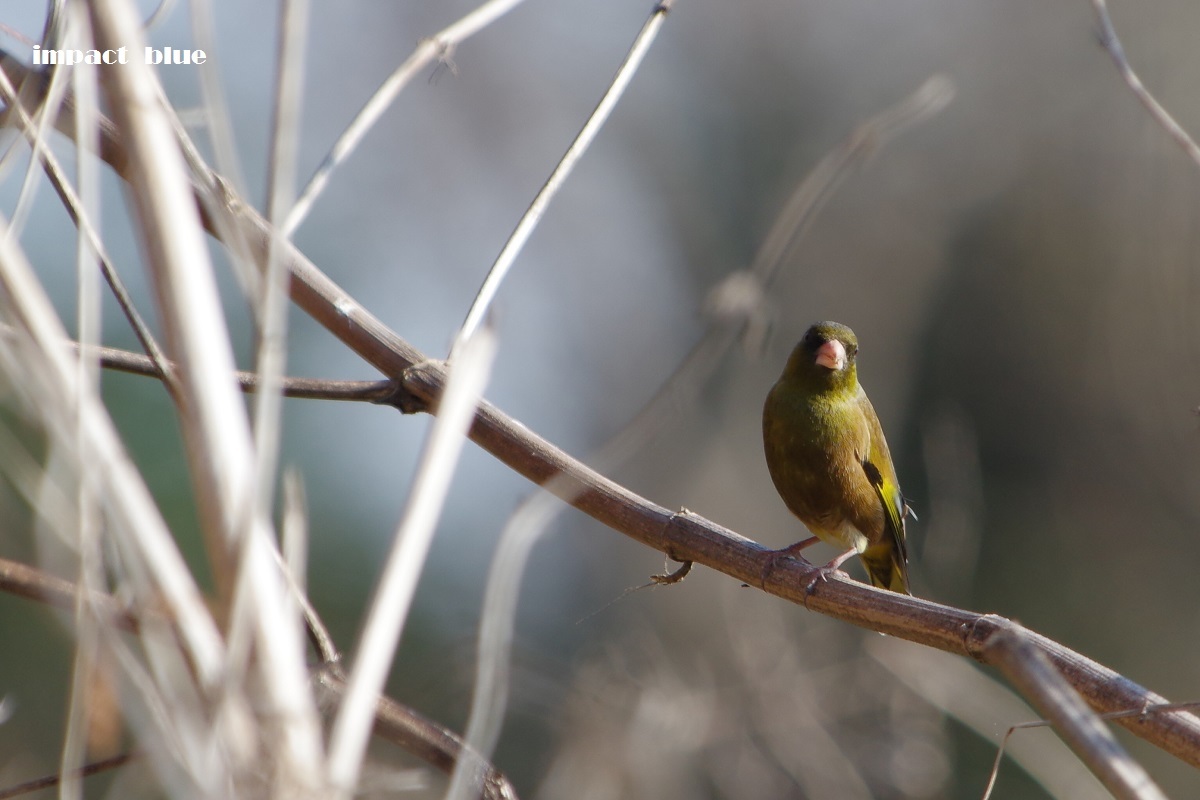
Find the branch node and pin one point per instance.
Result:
(979, 635)
(445, 57)
(418, 382)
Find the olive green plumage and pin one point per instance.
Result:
(828, 458)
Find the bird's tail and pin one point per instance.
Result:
(887, 567)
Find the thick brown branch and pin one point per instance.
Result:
(683, 536)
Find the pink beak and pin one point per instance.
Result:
(832, 355)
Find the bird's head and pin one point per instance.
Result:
(825, 357)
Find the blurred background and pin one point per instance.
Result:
(1021, 271)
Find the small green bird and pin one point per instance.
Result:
(829, 460)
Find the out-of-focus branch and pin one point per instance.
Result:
(439, 47)
(26, 581)
(1110, 42)
(558, 176)
(394, 593)
(215, 430)
(50, 781)
(683, 536)
(395, 722)
(16, 112)
(213, 418)
(1030, 671)
(408, 729)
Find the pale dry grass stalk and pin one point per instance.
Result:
(154, 573)
(273, 306)
(402, 570)
(215, 426)
(83, 707)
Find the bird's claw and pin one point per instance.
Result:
(823, 574)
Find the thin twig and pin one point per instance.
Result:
(865, 141)
(438, 47)
(1110, 42)
(489, 697)
(50, 781)
(272, 308)
(26, 581)
(214, 424)
(1044, 723)
(71, 203)
(213, 417)
(978, 699)
(533, 215)
(381, 392)
(1036, 678)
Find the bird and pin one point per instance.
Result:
(829, 460)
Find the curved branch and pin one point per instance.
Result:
(1028, 669)
(1112, 44)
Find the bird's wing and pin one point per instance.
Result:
(882, 476)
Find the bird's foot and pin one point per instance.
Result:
(792, 551)
(824, 572)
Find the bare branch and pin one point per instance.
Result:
(440, 46)
(1110, 42)
(50, 781)
(587, 134)
(74, 208)
(1030, 671)
(381, 392)
(26, 581)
